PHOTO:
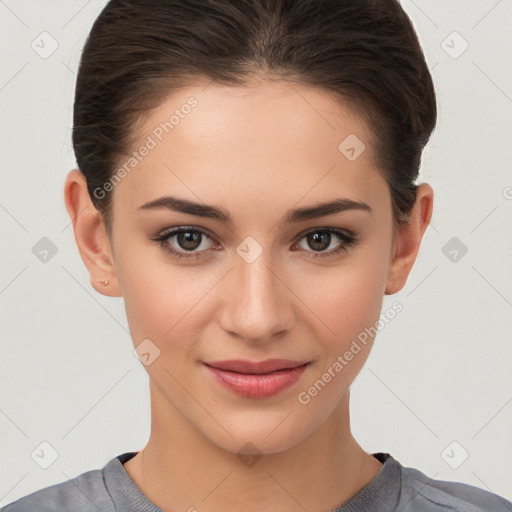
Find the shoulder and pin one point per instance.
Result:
(421, 493)
(83, 493)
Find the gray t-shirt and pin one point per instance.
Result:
(394, 488)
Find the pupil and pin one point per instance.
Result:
(189, 239)
(319, 241)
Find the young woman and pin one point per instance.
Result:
(247, 183)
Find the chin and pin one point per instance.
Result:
(261, 434)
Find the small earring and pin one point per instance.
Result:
(105, 283)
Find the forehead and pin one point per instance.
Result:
(266, 137)
(257, 111)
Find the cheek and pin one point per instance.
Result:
(347, 298)
(163, 300)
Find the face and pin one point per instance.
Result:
(253, 272)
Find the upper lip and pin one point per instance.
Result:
(255, 367)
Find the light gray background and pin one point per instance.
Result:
(440, 372)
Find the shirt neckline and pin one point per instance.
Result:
(381, 493)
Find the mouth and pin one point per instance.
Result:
(256, 379)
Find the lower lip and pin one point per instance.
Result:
(258, 385)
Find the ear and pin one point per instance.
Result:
(90, 235)
(407, 239)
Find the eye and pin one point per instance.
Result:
(184, 242)
(192, 242)
(321, 239)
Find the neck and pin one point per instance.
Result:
(179, 469)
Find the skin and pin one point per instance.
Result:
(257, 152)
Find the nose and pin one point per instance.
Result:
(258, 306)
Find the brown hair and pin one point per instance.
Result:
(364, 51)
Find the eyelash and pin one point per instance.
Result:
(348, 240)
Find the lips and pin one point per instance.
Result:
(256, 379)
(240, 366)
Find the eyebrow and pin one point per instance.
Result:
(296, 215)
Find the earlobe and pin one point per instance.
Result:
(408, 239)
(90, 235)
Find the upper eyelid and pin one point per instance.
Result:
(326, 228)
(180, 229)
